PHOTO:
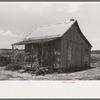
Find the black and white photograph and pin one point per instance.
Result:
(49, 41)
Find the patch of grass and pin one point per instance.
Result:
(90, 78)
(13, 67)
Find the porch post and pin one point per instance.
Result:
(31, 55)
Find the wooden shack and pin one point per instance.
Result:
(59, 45)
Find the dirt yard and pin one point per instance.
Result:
(89, 74)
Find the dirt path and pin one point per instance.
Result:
(89, 74)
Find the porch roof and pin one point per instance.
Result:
(35, 41)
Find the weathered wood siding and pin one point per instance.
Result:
(52, 53)
(33, 54)
(28, 53)
(75, 51)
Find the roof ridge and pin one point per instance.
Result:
(66, 22)
(56, 23)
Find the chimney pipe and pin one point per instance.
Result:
(72, 19)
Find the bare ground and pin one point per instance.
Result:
(89, 74)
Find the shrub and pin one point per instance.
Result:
(4, 60)
(18, 58)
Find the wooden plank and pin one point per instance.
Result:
(42, 55)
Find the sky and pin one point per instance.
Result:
(18, 19)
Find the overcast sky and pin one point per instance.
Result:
(17, 20)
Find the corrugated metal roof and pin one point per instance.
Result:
(54, 30)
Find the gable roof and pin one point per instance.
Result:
(48, 33)
(83, 35)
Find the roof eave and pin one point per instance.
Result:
(35, 41)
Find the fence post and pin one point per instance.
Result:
(12, 54)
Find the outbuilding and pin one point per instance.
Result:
(61, 45)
